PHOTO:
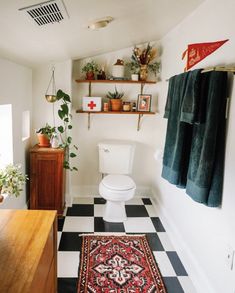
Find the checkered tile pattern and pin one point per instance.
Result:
(85, 216)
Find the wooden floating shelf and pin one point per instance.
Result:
(115, 81)
(139, 113)
(117, 112)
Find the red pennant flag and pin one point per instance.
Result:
(197, 52)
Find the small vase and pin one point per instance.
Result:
(54, 141)
(90, 75)
(143, 72)
(116, 104)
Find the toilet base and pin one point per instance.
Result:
(114, 211)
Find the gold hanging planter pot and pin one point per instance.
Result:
(51, 98)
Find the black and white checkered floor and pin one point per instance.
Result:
(86, 216)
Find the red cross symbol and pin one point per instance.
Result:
(91, 105)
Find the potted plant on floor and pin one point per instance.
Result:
(90, 69)
(44, 135)
(11, 180)
(115, 99)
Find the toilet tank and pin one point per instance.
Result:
(116, 157)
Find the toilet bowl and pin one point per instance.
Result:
(116, 189)
(115, 161)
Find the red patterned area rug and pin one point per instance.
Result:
(118, 264)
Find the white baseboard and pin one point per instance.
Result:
(93, 190)
(194, 270)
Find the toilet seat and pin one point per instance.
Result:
(118, 182)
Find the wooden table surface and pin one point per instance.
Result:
(23, 235)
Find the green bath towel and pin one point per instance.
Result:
(195, 139)
(206, 165)
(178, 137)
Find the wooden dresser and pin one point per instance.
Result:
(28, 251)
(47, 179)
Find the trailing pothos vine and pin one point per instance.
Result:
(66, 140)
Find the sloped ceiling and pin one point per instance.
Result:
(135, 22)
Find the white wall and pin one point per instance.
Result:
(16, 89)
(112, 127)
(204, 232)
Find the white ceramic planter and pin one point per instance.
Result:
(118, 71)
(135, 77)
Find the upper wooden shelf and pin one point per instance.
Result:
(115, 81)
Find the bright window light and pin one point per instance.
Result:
(6, 139)
(25, 125)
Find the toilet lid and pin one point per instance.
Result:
(118, 182)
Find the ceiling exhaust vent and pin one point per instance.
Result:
(47, 12)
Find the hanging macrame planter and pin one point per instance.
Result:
(51, 89)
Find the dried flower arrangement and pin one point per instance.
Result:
(143, 58)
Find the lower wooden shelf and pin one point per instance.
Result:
(139, 113)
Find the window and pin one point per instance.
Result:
(6, 140)
(25, 125)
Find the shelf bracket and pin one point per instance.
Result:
(89, 121)
(139, 120)
(89, 90)
(142, 88)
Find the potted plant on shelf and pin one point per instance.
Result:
(11, 180)
(90, 69)
(44, 135)
(116, 100)
(134, 69)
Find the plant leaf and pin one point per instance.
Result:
(69, 139)
(74, 168)
(61, 114)
(67, 98)
(65, 109)
(60, 94)
(61, 129)
(72, 155)
(70, 126)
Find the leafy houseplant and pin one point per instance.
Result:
(115, 99)
(90, 69)
(134, 67)
(44, 135)
(66, 140)
(11, 180)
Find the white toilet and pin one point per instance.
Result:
(115, 163)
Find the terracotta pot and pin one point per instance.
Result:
(90, 75)
(116, 104)
(143, 72)
(43, 140)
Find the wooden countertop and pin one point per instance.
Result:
(23, 235)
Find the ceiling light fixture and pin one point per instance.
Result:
(100, 23)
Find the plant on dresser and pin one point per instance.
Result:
(51, 134)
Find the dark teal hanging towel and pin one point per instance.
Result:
(195, 140)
